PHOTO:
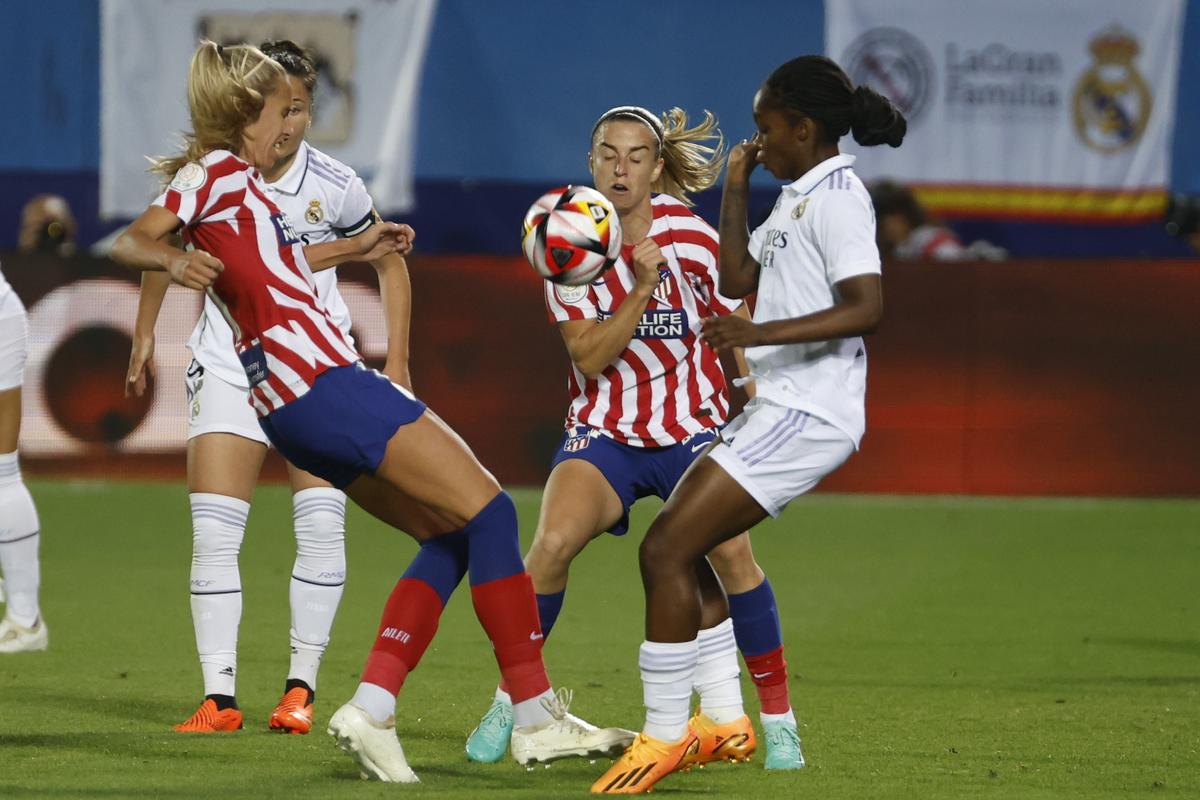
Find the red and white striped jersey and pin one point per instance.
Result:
(283, 335)
(665, 385)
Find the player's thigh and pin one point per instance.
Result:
(224, 463)
(734, 563)
(10, 419)
(578, 505)
(300, 480)
(430, 463)
(707, 507)
(393, 507)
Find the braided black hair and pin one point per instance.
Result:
(816, 87)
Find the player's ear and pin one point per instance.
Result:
(658, 168)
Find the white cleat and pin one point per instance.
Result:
(565, 736)
(375, 747)
(16, 638)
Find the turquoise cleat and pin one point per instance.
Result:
(488, 743)
(783, 746)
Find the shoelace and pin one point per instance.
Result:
(497, 714)
(559, 704)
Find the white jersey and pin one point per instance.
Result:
(323, 199)
(10, 304)
(821, 231)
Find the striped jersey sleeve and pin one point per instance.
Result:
(567, 303)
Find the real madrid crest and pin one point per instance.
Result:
(314, 214)
(798, 211)
(1112, 101)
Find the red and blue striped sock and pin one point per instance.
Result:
(502, 593)
(759, 637)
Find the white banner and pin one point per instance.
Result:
(369, 54)
(1074, 95)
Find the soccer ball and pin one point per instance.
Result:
(571, 235)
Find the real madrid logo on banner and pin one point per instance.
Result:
(1112, 101)
(314, 214)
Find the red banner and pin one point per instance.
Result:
(1017, 378)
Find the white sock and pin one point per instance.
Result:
(789, 718)
(378, 702)
(668, 673)
(218, 524)
(503, 696)
(317, 576)
(717, 669)
(19, 541)
(531, 711)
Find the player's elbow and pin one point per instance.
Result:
(590, 367)
(871, 315)
(123, 248)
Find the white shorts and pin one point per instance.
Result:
(13, 348)
(217, 406)
(777, 453)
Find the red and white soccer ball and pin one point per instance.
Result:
(571, 235)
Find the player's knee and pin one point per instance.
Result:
(557, 545)
(734, 562)
(218, 525)
(319, 517)
(659, 554)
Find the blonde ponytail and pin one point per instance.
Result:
(227, 87)
(692, 157)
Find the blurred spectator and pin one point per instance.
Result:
(1183, 219)
(904, 231)
(47, 226)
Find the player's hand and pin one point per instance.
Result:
(647, 259)
(743, 158)
(384, 238)
(141, 365)
(195, 269)
(720, 333)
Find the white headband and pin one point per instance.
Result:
(638, 113)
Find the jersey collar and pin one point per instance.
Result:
(811, 179)
(290, 181)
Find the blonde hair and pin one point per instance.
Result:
(227, 87)
(692, 157)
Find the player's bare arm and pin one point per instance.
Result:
(395, 290)
(377, 241)
(594, 345)
(141, 353)
(738, 269)
(857, 313)
(143, 246)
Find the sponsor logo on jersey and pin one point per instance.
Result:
(254, 362)
(284, 231)
(570, 294)
(658, 323)
(191, 176)
(314, 214)
(662, 292)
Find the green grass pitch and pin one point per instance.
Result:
(939, 648)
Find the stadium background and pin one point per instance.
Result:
(1062, 371)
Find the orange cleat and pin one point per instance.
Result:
(294, 712)
(645, 763)
(208, 719)
(733, 741)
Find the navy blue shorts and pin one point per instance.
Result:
(340, 428)
(633, 472)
